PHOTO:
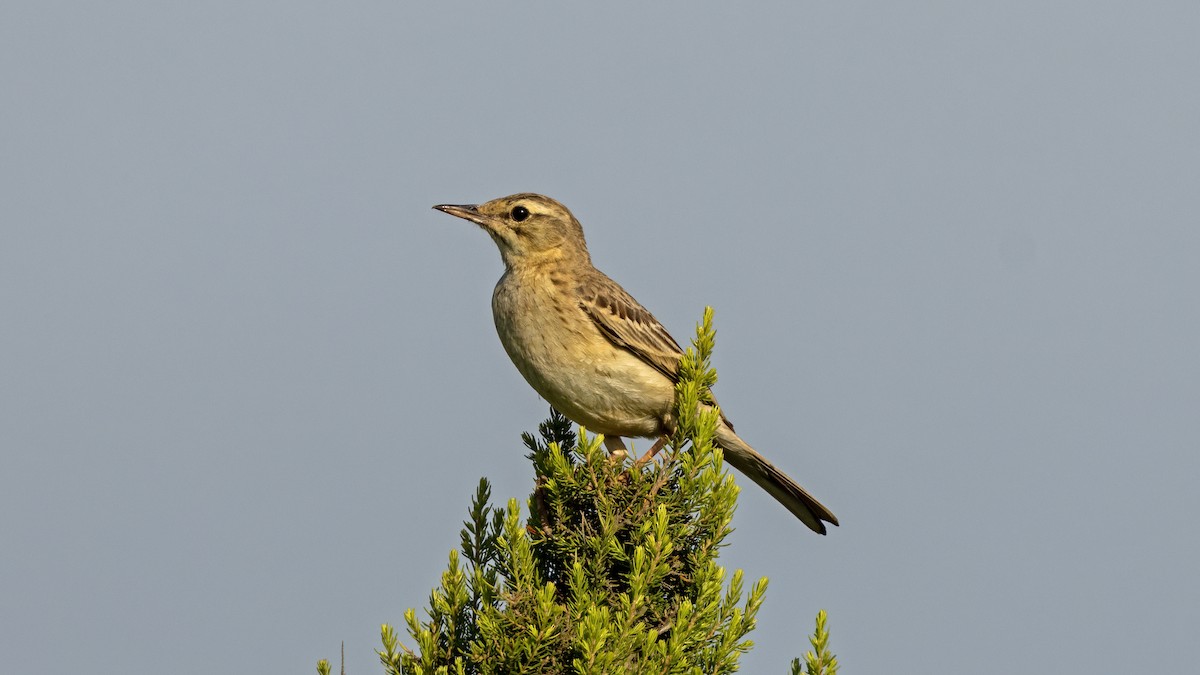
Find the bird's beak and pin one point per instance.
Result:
(465, 211)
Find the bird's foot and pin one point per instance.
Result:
(616, 449)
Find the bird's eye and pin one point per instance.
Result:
(519, 213)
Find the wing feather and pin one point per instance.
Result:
(629, 325)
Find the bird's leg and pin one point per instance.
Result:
(654, 449)
(616, 448)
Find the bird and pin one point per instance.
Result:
(589, 348)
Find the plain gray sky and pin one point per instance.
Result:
(250, 379)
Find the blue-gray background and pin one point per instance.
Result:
(249, 378)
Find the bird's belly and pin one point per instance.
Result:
(577, 370)
(616, 399)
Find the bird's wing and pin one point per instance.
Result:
(629, 325)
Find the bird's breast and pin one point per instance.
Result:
(564, 357)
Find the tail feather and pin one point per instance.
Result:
(777, 483)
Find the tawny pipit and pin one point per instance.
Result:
(588, 347)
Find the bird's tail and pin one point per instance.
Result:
(777, 483)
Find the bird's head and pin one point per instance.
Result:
(528, 228)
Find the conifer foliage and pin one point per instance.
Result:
(614, 570)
